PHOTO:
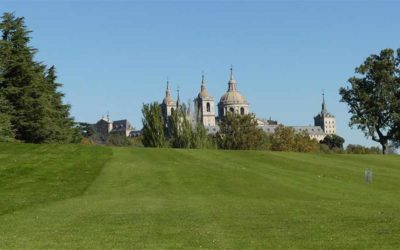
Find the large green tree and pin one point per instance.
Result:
(6, 131)
(153, 126)
(373, 97)
(240, 132)
(37, 114)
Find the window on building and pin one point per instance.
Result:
(232, 110)
(208, 107)
(242, 111)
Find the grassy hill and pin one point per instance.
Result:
(70, 196)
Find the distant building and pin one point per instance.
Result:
(325, 120)
(105, 127)
(233, 101)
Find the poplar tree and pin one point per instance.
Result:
(153, 126)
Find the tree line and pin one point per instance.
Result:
(237, 132)
(31, 105)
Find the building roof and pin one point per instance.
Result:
(121, 125)
(168, 100)
(311, 130)
(233, 96)
(203, 91)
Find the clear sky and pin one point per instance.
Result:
(115, 55)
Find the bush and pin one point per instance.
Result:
(358, 149)
(286, 139)
(118, 140)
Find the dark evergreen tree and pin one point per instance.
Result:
(61, 123)
(37, 114)
(6, 131)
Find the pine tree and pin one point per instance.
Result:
(61, 122)
(6, 131)
(37, 114)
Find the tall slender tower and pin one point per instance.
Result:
(168, 105)
(325, 120)
(204, 106)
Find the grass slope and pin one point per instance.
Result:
(164, 198)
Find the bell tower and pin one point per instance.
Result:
(325, 120)
(204, 106)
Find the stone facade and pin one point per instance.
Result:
(105, 126)
(325, 120)
(204, 107)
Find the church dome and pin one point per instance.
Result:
(233, 97)
(168, 100)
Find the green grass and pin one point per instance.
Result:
(78, 197)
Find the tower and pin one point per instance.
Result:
(325, 120)
(168, 105)
(232, 100)
(204, 106)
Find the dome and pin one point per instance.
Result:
(233, 97)
(168, 100)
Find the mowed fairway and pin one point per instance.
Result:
(78, 197)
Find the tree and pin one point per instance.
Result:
(239, 132)
(200, 138)
(37, 114)
(6, 131)
(303, 143)
(153, 126)
(373, 98)
(283, 139)
(333, 141)
(286, 139)
(180, 129)
(62, 125)
(358, 149)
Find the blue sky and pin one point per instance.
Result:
(115, 55)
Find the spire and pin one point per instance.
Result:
(324, 110)
(168, 92)
(178, 99)
(232, 81)
(108, 116)
(203, 83)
